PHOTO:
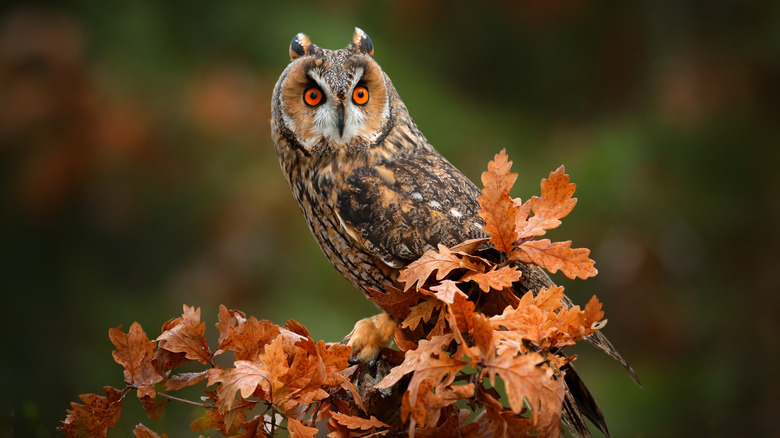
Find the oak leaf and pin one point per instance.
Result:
(297, 429)
(357, 423)
(227, 318)
(554, 204)
(497, 208)
(413, 357)
(446, 291)
(186, 335)
(93, 418)
(142, 431)
(444, 261)
(135, 353)
(495, 279)
(248, 338)
(420, 313)
(554, 256)
(179, 381)
(395, 302)
(525, 379)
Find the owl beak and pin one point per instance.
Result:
(340, 119)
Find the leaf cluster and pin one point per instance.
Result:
(463, 334)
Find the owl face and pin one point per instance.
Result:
(331, 101)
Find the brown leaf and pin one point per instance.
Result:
(296, 327)
(443, 261)
(244, 378)
(524, 379)
(413, 357)
(395, 302)
(574, 263)
(249, 338)
(135, 352)
(446, 291)
(357, 423)
(179, 381)
(153, 408)
(142, 431)
(228, 318)
(420, 313)
(496, 279)
(497, 208)
(93, 418)
(554, 204)
(185, 335)
(297, 429)
(483, 334)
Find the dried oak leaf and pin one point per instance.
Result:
(526, 379)
(142, 431)
(444, 261)
(357, 423)
(185, 335)
(414, 357)
(248, 338)
(420, 313)
(554, 256)
(495, 279)
(135, 353)
(297, 429)
(93, 418)
(497, 208)
(395, 302)
(227, 318)
(554, 204)
(153, 408)
(446, 291)
(179, 381)
(244, 378)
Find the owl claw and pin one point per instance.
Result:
(368, 337)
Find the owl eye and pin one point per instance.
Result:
(360, 95)
(312, 96)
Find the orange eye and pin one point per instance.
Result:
(312, 96)
(360, 95)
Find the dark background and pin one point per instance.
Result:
(137, 174)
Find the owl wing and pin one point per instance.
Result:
(396, 210)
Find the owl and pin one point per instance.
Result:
(375, 193)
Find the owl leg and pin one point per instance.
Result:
(369, 336)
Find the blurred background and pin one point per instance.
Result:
(137, 174)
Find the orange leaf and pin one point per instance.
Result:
(413, 357)
(142, 431)
(554, 204)
(420, 313)
(95, 416)
(179, 381)
(525, 379)
(395, 302)
(185, 335)
(483, 334)
(135, 352)
(249, 337)
(446, 291)
(573, 263)
(496, 279)
(357, 423)
(228, 318)
(444, 261)
(497, 208)
(297, 429)
(153, 408)
(245, 378)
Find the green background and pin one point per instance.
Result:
(137, 174)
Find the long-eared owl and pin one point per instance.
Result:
(375, 193)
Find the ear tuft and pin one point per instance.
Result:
(361, 43)
(301, 45)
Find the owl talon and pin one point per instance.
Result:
(368, 337)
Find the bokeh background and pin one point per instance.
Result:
(137, 174)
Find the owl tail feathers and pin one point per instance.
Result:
(369, 336)
(577, 402)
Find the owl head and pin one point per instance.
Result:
(331, 101)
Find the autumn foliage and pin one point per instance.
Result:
(473, 359)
